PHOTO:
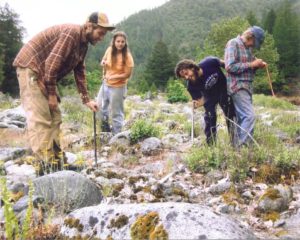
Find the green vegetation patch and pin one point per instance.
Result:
(176, 92)
(205, 158)
(142, 129)
(272, 102)
(289, 123)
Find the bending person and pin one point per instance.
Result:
(41, 63)
(207, 86)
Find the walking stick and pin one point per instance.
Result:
(192, 132)
(270, 81)
(95, 138)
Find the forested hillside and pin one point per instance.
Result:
(159, 37)
(181, 24)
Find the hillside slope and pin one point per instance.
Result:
(181, 24)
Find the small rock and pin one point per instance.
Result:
(247, 194)
(219, 188)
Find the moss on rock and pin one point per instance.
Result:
(73, 223)
(118, 222)
(271, 193)
(145, 227)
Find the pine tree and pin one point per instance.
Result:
(269, 54)
(269, 21)
(251, 18)
(159, 67)
(286, 33)
(11, 41)
(1, 64)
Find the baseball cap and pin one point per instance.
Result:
(259, 35)
(101, 20)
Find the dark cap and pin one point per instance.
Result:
(259, 35)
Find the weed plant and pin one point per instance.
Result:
(176, 92)
(12, 228)
(2, 169)
(142, 129)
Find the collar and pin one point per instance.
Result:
(83, 39)
(242, 41)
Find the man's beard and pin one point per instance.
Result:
(90, 39)
(196, 75)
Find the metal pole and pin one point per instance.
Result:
(95, 137)
(192, 131)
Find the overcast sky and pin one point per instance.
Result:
(37, 15)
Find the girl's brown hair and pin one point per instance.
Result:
(114, 51)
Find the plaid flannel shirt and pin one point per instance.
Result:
(237, 64)
(54, 53)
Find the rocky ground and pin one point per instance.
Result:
(143, 189)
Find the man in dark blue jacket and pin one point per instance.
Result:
(207, 86)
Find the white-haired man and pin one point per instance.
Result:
(241, 65)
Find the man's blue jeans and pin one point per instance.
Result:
(242, 101)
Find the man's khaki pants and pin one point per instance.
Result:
(43, 124)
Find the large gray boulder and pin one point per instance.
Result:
(177, 220)
(68, 190)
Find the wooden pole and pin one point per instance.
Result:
(270, 81)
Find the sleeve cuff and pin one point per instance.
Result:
(85, 98)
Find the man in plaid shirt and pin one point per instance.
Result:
(241, 65)
(40, 64)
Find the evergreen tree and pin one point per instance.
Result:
(11, 41)
(269, 21)
(159, 67)
(251, 18)
(286, 33)
(269, 54)
(1, 64)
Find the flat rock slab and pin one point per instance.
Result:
(180, 220)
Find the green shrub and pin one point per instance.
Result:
(289, 123)
(286, 158)
(142, 129)
(12, 230)
(176, 92)
(28, 217)
(205, 158)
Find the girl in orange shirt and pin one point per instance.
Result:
(117, 63)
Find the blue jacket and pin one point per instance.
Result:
(213, 81)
